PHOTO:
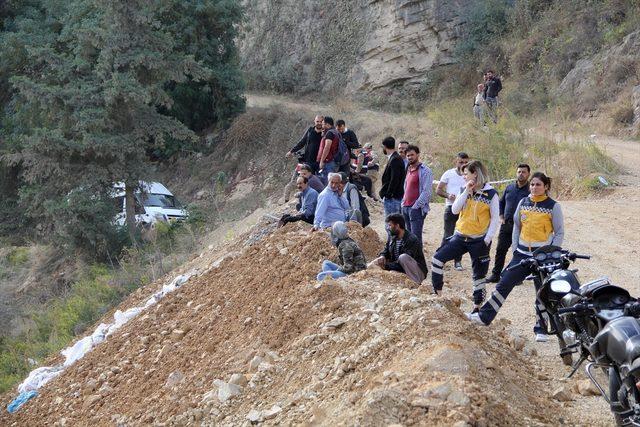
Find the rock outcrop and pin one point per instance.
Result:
(338, 45)
(593, 80)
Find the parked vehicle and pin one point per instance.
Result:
(549, 264)
(153, 202)
(603, 327)
(599, 322)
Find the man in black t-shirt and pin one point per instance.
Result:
(310, 143)
(351, 141)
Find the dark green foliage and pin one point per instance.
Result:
(90, 89)
(84, 222)
(207, 30)
(486, 23)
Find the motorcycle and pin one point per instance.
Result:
(597, 320)
(603, 327)
(548, 265)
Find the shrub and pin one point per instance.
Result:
(18, 256)
(56, 326)
(623, 114)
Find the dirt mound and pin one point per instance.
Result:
(256, 339)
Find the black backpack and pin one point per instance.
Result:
(363, 206)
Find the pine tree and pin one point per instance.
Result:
(89, 101)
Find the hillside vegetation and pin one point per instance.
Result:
(72, 120)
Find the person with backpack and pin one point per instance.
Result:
(350, 141)
(351, 256)
(332, 151)
(358, 211)
(417, 192)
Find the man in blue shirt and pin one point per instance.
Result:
(332, 204)
(307, 202)
(508, 205)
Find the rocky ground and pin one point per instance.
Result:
(253, 338)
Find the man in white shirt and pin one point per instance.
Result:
(450, 185)
(478, 104)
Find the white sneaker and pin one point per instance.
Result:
(542, 337)
(475, 318)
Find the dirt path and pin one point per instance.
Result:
(604, 227)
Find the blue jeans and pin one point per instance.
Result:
(414, 220)
(330, 269)
(392, 206)
(326, 170)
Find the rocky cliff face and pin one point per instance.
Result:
(336, 45)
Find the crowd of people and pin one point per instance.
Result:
(334, 170)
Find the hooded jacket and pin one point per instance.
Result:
(351, 257)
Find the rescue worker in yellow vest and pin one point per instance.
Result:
(479, 218)
(538, 222)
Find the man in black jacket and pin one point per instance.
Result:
(403, 251)
(310, 141)
(392, 179)
(492, 87)
(351, 141)
(508, 205)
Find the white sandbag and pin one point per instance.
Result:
(77, 351)
(121, 318)
(39, 377)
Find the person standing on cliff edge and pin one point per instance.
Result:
(492, 87)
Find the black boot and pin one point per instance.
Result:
(494, 278)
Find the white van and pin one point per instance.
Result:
(154, 202)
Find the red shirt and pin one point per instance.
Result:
(332, 136)
(412, 188)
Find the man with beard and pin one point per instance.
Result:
(403, 251)
(417, 192)
(310, 143)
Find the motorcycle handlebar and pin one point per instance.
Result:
(576, 308)
(578, 256)
(633, 309)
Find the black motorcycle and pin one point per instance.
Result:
(550, 264)
(602, 326)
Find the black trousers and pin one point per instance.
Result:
(295, 218)
(504, 244)
(449, 227)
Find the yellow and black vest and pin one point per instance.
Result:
(536, 223)
(475, 216)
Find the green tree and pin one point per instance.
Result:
(207, 29)
(88, 104)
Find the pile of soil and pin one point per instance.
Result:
(256, 339)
